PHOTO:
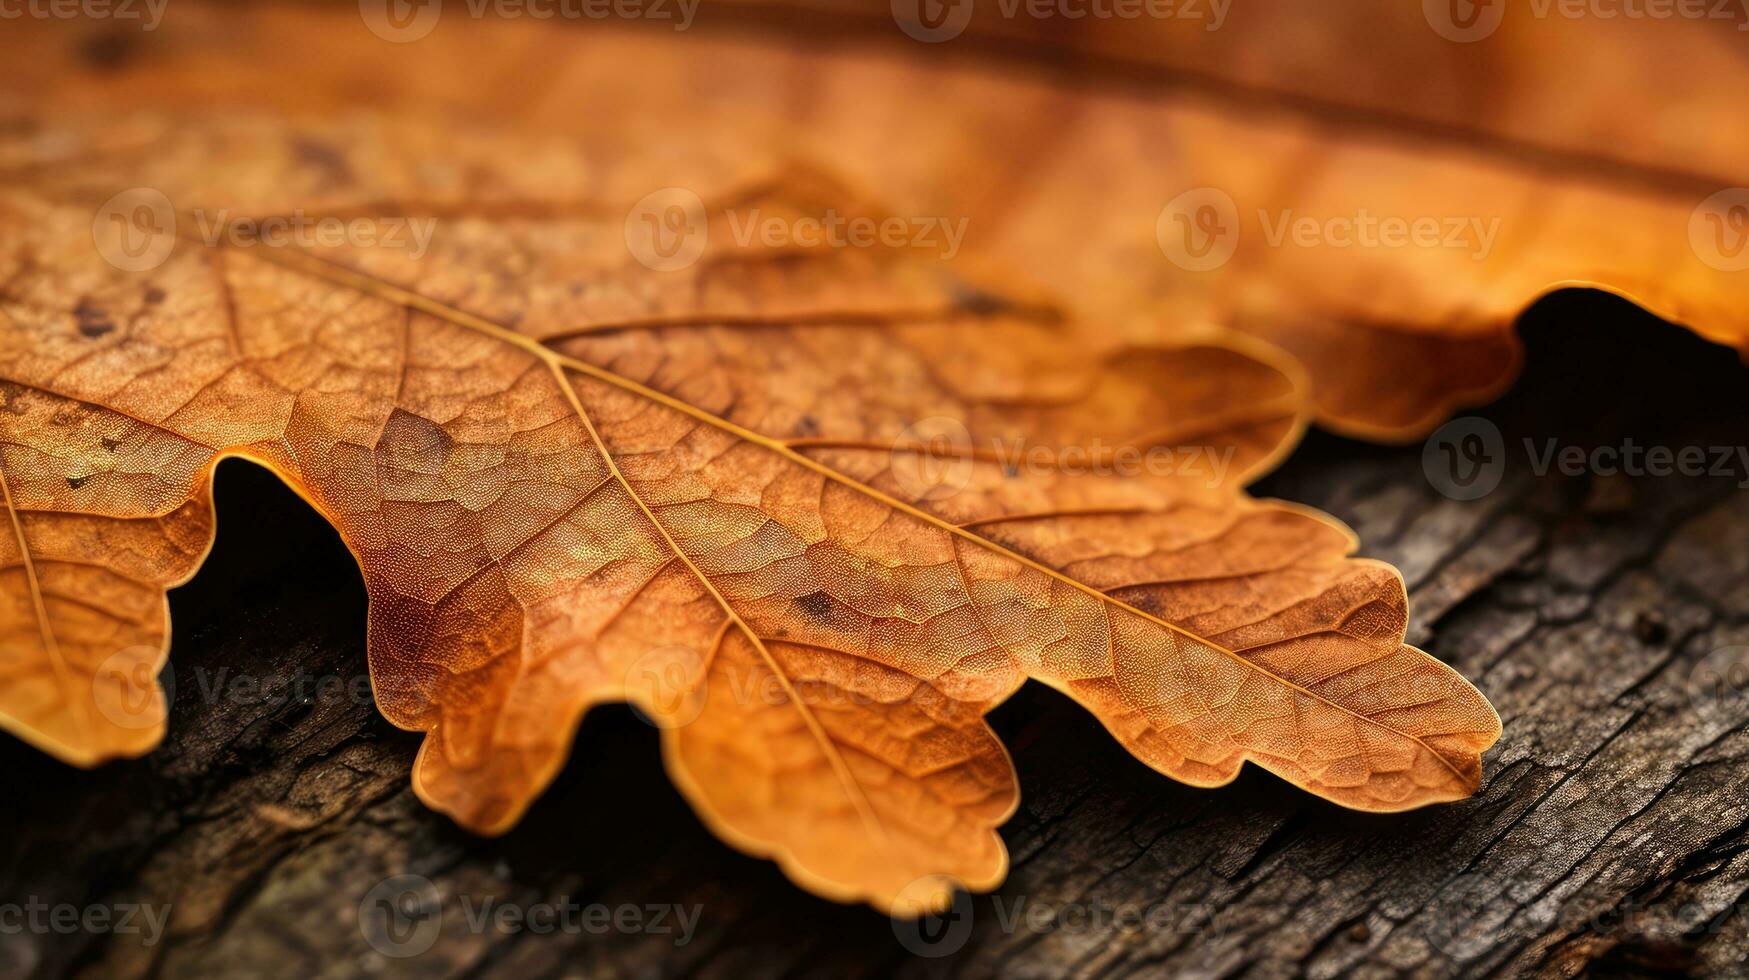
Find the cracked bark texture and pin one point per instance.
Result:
(1611, 837)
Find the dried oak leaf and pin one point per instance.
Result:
(776, 499)
(1595, 144)
(1538, 147)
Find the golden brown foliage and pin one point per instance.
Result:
(771, 498)
(1587, 143)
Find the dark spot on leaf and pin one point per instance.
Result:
(93, 320)
(110, 50)
(808, 426)
(110, 444)
(816, 604)
(1143, 599)
(154, 295)
(976, 301)
(320, 154)
(77, 481)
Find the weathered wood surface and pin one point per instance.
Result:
(1611, 837)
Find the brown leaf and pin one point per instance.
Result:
(816, 510)
(1588, 139)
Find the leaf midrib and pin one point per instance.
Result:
(51, 646)
(841, 769)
